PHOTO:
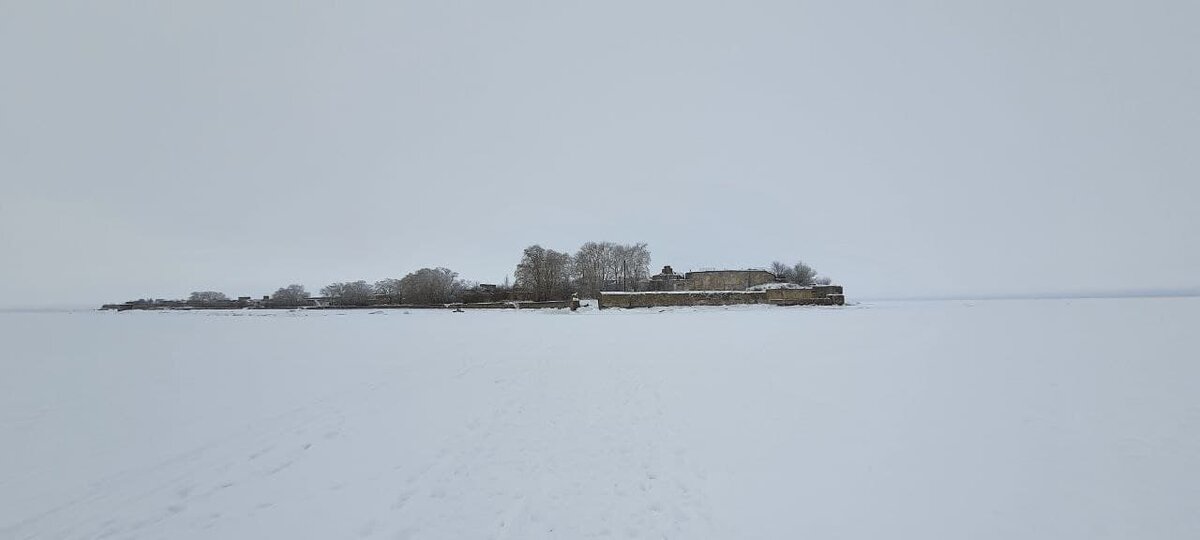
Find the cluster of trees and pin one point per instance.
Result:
(431, 286)
(605, 266)
(207, 297)
(545, 273)
(541, 274)
(353, 293)
(427, 286)
(597, 266)
(799, 273)
(292, 295)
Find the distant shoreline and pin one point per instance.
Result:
(1102, 295)
(1117, 295)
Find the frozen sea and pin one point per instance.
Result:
(1031, 419)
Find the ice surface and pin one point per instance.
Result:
(984, 420)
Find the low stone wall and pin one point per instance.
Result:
(552, 304)
(485, 305)
(679, 298)
(827, 295)
(521, 305)
(547, 304)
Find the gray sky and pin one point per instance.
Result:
(903, 148)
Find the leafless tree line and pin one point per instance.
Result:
(427, 286)
(606, 266)
(595, 267)
(207, 297)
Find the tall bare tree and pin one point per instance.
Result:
(633, 266)
(782, 271)
(389, 290)
(430, 286)
(803, 274)
(607, 266)
(290, 296)
(354, 293)
(592, 267)
(545, 272)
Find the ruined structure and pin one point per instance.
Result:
(728, 280)
(722, 287)
(668, 280)
(817, 295)
(710, 280)
(700, 288)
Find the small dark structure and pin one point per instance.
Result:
(667, 280)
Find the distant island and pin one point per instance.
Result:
(616, 275)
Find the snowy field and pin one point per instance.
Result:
(1055, 419)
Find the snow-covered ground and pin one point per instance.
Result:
(985, 420)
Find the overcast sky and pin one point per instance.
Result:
(902, 148)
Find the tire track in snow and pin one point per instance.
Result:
(571, 450)
(111, 506)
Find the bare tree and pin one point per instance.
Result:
(359, 293)
(530, 270)
(633, 266)
(545, 272)
(460, 286)
(354, 293)
(292, 295)
(799, 273)
(803, 274)
(592, 267)
(782, 271)
(389, 290)
(333, 290)
(607, 266)
(430, 286)
(207, 297)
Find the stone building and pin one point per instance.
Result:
(728, 280)
(722, 287)
(668, 280)
(709, 280)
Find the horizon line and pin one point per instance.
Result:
(1046, 295)
(1049, 295)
